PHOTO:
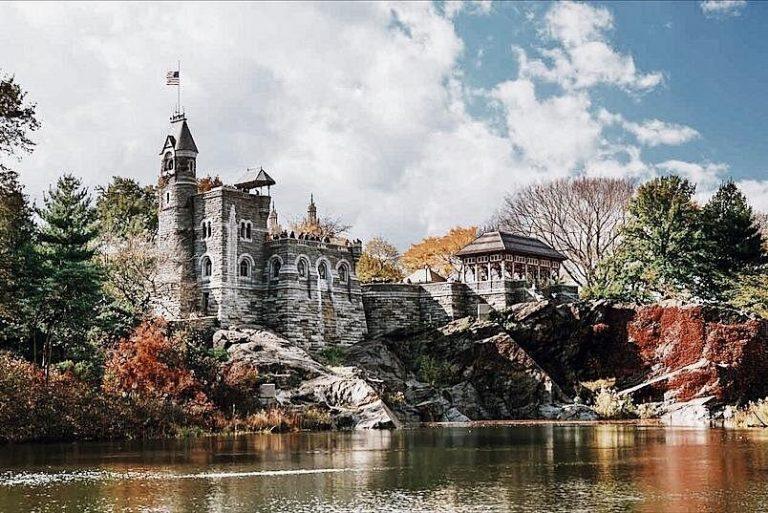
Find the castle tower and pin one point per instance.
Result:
(176, 232)
(312, 211)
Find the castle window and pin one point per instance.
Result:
(322, 271)
(168, 161)
(343, 274)
(167, 198)
(245, 230)
(207, 266)
(275, 271)
(245, 268)
(206, 301)
(206, 229)
(301, 268)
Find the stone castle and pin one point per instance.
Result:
(222, 255)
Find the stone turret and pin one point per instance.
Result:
(176, 234)
(272, 224)
(312, 211)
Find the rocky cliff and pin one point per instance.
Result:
(663, 352)
(528, 362)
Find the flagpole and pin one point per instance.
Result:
(178, 87)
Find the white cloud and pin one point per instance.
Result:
(652, 132)
(584, 58)
(707, 176)
(555, 135)
(478, 7)
(756, 192)
(363, 104)
(722, 8)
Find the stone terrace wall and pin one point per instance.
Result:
(391, 306)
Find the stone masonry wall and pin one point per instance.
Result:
(232, 298)
(310, 310)
(391, 306)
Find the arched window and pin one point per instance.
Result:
(245, 268)
(301, 268)
(322, 271)
(207, 266)
(343, 274)
(275, 271)
(168, 161)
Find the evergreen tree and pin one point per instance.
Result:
(664, 250)
(125, 208)
(17, 119)
(70, 290)
(732, 231)
(17, 260)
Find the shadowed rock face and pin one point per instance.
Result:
(576, 342)
(461, 371)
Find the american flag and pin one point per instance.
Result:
(172, 78)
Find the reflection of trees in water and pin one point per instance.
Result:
(603, 468)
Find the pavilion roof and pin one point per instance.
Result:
(506, 242)
(253, 179)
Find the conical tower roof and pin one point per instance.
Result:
(184, 140)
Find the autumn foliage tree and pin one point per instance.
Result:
(439, 253)
(379, 262)
(206, 183)
(149, 364)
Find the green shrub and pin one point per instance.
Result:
(433, 371)
(333, 356)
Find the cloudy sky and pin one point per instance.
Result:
(405, 119)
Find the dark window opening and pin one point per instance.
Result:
(245, 269)
(206, 301)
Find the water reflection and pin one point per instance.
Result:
(600, 468)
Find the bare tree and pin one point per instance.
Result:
(580, 217)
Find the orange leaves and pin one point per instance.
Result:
(438, 253)
(148, 363)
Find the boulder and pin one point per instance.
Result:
(699, 412)
(304, 382)
(572, 411)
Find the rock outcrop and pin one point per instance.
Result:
(662, 352)
(705, 351)
(302, 381)
(463, 371)
(526, 363)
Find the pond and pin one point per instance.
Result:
(518, 468)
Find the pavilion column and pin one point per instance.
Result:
(490, 276)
